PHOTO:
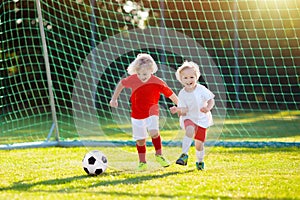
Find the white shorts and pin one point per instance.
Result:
(140, 127)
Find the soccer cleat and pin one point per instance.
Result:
(162, 161)
(142, 166)
(200, 165)
(182, 160)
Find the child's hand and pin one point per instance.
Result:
(179, 111)
(204, 110)
(113, 103)
(173, 109)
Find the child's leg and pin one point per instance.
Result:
(199, 145)
(187, 139)
(186, 142)
(200, 137)
(139, 133)
(156, 140)
(153, 128)
(141, 149)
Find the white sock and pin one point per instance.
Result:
(186, 144)
(200, 155)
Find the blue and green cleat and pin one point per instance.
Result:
(182, 160)
(200, 165)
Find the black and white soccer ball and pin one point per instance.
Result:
(94, 163)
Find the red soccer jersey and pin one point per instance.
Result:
(145, 96)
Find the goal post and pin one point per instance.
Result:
(48, 73)
(61, 60)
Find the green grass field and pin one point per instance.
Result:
(231, 173)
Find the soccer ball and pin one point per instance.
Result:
(94, 163)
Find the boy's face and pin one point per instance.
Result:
(144, 73)
(188, 78)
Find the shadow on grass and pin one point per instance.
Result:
(25, 186)
(138, 178)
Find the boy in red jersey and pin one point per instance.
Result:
(145, 93)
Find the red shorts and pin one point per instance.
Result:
(200, 132)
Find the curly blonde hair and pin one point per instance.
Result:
(142, 60)
(187, 64)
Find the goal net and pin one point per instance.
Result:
(61, 60)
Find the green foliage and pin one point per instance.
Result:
(231, 173)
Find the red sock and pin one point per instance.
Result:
(157, 145)
(142, 152)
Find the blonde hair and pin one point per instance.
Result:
(142, 60)
(190, 65)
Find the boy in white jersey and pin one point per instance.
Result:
(194, 106)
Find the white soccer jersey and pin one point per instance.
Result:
(194, 101)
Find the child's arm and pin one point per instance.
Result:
(174, 98)
(210, 105)
(181, 111)
(114, 100)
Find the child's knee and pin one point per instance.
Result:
(141, 142)
(189, 131)
(199, 145)
(153, 133)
